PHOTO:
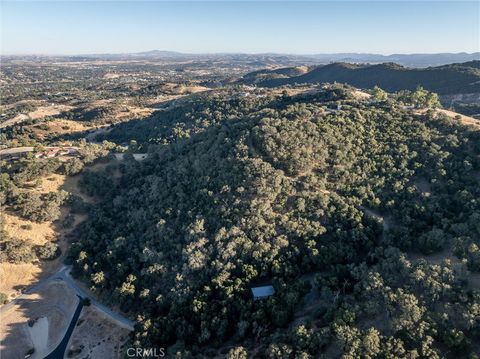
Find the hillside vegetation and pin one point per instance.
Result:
(326, 197)
(448, 79)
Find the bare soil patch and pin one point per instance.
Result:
(360, 95)
(436, 258)
(39, 336)
(54, 302)
(39, 113)
(59, 127)
(466, 120)
(97, 336)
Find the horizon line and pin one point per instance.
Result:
(239, 53)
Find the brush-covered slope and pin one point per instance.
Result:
(448, 79)
(240, 191)
(283, 72)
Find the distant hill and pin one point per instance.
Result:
(412, 60)
(266, 59)
(284, 72)
(446, 79)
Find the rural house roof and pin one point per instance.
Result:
(263, 291)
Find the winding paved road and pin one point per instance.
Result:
(59, 351)
(64, 274)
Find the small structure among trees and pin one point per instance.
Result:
(262, 292)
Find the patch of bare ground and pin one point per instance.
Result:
(59, 127)
(465, 120)
(133, 112)
(97, 336)
(50, 310)
(180, 89)
(50, 110)
(360, 95)
(39, 113)
(436, 258)
(297, 91)
(14, 277)
(111, 75)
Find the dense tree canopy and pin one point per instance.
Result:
(336, 202)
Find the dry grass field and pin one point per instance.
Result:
(466, 120)
(44, 110)
(15, 277)
(59, 127)
(53, 304)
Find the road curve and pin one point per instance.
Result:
(59, 351)
(120, 319)
(4, 308)
(64, 274)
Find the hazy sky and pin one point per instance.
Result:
(79, 27)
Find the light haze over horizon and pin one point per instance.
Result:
(288, 27)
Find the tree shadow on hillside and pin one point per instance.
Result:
(23, 329)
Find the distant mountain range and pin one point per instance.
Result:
(412, 60)
(463, 78)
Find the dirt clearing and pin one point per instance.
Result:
(97, 336)
(39, 113)
(39, 336)
(49, 309)
(466, 120)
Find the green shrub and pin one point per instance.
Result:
(16, 251)
(48, 251)
(3, 298)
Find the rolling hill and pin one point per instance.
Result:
(336, 202)
(444, 80)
